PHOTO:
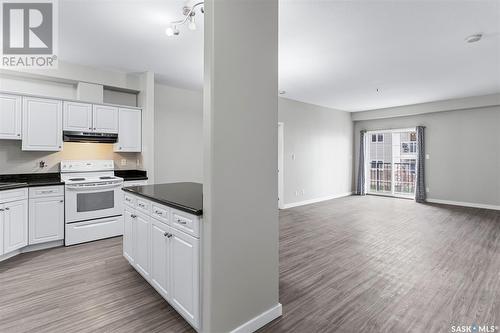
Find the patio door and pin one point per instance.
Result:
(391, 162)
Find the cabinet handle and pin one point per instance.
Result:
(19, 135)
(142, 205)
(7, 208)
(167, 234)
(181, 221)
(61, 201)
(158, 212)
(133, 216)
(1, 210)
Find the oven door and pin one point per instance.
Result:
(92, 201)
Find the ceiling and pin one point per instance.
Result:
(347, 55)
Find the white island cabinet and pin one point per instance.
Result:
(163, 245)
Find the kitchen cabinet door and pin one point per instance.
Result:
(2, 223)
(128, 234)
(77, 117)
(46, 219)
(142, 244)
(185, 276)
(129, 131)
(160, 257)
(105, 119)
(15, 225)
(10, 117)
(42, 124)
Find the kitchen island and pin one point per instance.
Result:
(161, 240)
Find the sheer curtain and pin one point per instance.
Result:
(420, 188)
(361, 189)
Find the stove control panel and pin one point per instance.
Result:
(87, 165)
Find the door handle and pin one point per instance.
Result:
(167, 234)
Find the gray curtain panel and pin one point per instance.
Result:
(420, 188)
(360, 189)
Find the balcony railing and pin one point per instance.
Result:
(404, 178)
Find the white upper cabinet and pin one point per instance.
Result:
(42, 124)
(105, 119)
(130, 131)
(77, 117)
(10, 117)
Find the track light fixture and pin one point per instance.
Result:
(189, 13)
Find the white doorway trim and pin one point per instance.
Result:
(281, 146)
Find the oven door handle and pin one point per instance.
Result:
(91, 188)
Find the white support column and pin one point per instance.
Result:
(240, 227)
(147, 103)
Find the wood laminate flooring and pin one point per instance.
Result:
(355, 264)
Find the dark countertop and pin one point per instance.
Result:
(30, 180)
(187, 197)
(128, 175)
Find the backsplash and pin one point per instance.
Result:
(14, 160)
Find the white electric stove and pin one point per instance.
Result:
(93, 207)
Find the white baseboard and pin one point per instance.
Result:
(310, 201)
(463, 204)
(257, 322)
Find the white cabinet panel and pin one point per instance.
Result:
(2, 227)
(77, 117)
(160, 257)
(15, 225)
(46, 219)
(10, 117)
(128, 234)
(105, 119)
(185, 283)
(142, 242)
(42, 124)
(130, 131)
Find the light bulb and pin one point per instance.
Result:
(192, 24)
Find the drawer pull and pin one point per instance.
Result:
(158, 212)
(142, 205)
(133, 216)
(47, 192)
(128, 199)
(181, 221)
(7, 208)
(167, 234)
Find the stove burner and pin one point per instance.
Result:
(76, 179)
(106, 177)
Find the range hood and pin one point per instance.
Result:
(73, 136)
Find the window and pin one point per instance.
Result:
(377, 137)
(391, 163)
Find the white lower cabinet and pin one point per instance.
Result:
(128, 234)
(160, 257)
(142, 241)
(46, 219)
(166, 256)
(185, 286)
(15, 221)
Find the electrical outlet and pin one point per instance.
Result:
(123, 162)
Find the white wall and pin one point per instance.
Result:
(464, 149)
(178, 134)
(240, 192)
(321, 139)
